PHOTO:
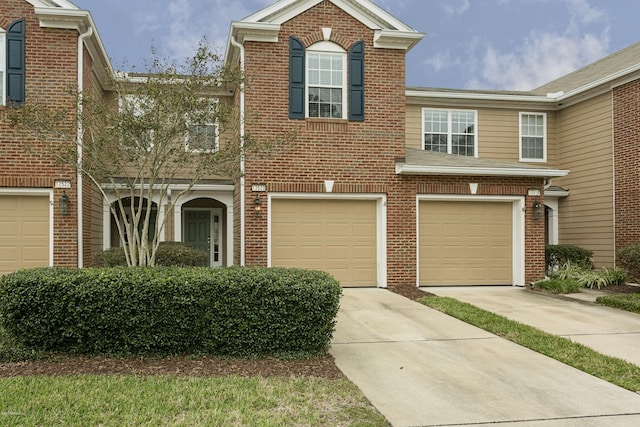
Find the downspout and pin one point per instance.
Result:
(242, 166)
(79, 138)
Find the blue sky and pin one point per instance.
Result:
(469, 44)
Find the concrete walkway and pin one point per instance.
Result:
(420, 367)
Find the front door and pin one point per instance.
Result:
(197, 227)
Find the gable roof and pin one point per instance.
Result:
(264, 25)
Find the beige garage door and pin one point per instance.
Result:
(338, 236)
(24, 232)
(466, 243)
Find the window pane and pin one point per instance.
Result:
(532, 148)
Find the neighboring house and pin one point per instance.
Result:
(383, 185)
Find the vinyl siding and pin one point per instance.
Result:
(586, 216)
(498, 133)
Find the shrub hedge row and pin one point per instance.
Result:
(157, 311)
(169, 254)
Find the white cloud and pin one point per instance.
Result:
(458, 9)
(545, 56)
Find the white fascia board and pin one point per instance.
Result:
(393, 39)
(53, 3)
(403, 169)
(480, 96)
(556, 193)
(255, 31)
(177, 187)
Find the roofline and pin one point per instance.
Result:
(552, 99)
(405, 169)
(81, 21)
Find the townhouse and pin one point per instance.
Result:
(383, 184)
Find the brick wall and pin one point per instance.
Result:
(626, 130)
(51, 71)
(359, 156)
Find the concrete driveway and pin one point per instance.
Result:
(420, 367)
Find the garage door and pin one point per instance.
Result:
(24, 232)
(466, 243)
(338, 236)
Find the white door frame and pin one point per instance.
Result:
(381, 224)
(518, 245)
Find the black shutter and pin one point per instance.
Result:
(356, 82)
(296, 79)
(15, 62)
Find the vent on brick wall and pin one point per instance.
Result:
(331, 126)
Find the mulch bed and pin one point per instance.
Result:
(320, 367)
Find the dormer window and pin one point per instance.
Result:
(325, 81)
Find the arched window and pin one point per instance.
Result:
(325, 81)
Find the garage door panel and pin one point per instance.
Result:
(465, 242)
(24, 232)
(338, 236)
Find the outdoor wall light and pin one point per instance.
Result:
(64, 203)
(257, 204)
(538, 209)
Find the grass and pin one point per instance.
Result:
(111, 400)
(611, 369)
(559, 286)
(183, 401)
(628, 302)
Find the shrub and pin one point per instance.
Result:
(629, 302)
(169, 254)
(590, 278)
(558, 286)
(154, 311)
(629, 259)
(558, 255)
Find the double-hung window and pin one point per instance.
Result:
(533, 137)
(450, 131)
(326, 81)
(202, 128)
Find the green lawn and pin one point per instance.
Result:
(628, 302)
(183, 401)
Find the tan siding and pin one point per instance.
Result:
(586, 216)
(498, 133)
(414, 126)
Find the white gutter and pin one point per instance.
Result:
(80, 201)
(242, 133)
(402, 169)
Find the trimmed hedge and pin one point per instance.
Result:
(231, 311)
(629, 259)
(169, 254)
(558, 255)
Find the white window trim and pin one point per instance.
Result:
(450, 126)
(544, 137)
(328, 48)
(215, 124)
(3, 65)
